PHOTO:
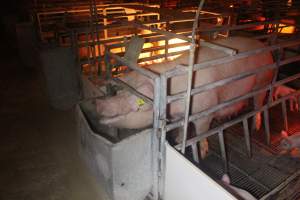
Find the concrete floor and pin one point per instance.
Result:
(38, 152)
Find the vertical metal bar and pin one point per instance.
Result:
(284, 115)
(108, 74)
(267, 126)
(223, 150)
(87, 46)
(247, 137)
(105, 23)
(163, 120)
(277, 55)
(156, 159)
(92, 21)
(166, 48)
(166, 43)
(190, 77)
(195, 152)
(74, 44)
(99, 69)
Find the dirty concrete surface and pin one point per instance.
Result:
(38, 149)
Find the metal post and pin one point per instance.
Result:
(166, 43)
(223, 150)
(284, 115)
(157, 157)
(190, 77)
(163, 85)
(97, 38)
(267, 126)
(88, 50)
(247, 137)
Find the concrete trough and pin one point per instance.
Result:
(123, 168)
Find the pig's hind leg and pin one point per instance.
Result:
(201, 126)
(258, 102)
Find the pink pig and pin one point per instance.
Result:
(243, 193)
(123, 111)
(282, 91)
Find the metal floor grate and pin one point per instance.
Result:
(266, 169)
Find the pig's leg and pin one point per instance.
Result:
(257, 119)
(201, 126)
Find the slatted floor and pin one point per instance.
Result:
(266, 169)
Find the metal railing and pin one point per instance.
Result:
(162, 125)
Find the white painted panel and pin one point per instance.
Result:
(184, 181)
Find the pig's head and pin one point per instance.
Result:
(126, 110)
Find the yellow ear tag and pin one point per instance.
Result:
(140, 102)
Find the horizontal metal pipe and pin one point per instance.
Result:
(150, 49)
(161, 56)
(281, 185)
(232, 122)
(235, 27)
(134, 66)
(153, 37)
(219, 83)
(219, 47)
(204, 113)
(132, 90)
(290, 60)
(223, 60)
(166, 33)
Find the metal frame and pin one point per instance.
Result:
(48, 16)
(160, 100)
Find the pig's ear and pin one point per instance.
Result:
(137, 103)
(284, 134)
(226, 179)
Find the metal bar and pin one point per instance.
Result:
(190, 77)
(227, 103)
(223, 150)
(134, 66)
(211, 63)
(284, 114)
(98, 40)
(246, 174)
(166, 33)
(236, 27)
(228, 124)
(150, 49)
(267, 126)
(262, 36)
(88, 53)
(234, 100)
(289, 60)
(219, 47)
(247, 137)
(195, 152)
(286, 80)
(166, 49)
(132, 90)
(161, 56)
(163, 121)
(222, 82)
(92, 20)
(281, 186)
(156, 156)
(153, 37)
(223, 60)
